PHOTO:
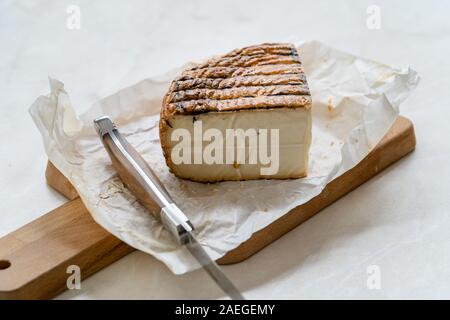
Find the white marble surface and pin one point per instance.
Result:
(398, 221)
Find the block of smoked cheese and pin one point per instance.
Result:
(244, 115)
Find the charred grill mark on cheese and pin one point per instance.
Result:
(228, 72)
(263, 76)
(200, 106)
(249, 61)
(271, 48)
(239, 92)
(240, 81)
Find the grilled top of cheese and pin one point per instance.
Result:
(267, 76)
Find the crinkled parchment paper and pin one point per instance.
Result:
(355, 101)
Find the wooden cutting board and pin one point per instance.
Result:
(34, 258)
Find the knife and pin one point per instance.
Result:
(137, 175)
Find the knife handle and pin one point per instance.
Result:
(137, 176)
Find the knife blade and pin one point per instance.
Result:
(137, 175)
